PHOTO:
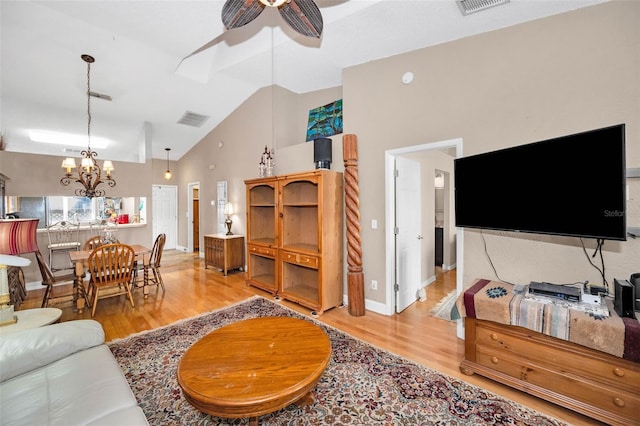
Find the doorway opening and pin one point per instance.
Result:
(193, 217)
(440, 212)
(454, 146)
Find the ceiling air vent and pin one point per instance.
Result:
(472, 6)
(192, 119)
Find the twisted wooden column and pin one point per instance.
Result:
(355, 278)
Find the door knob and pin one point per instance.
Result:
(420, 237)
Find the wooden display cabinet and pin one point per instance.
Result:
(300, 217)
(225, 252)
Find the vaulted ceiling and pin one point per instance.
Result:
(139, 48)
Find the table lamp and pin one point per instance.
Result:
(17, 236)
(228, 211)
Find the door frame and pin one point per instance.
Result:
(390, 220)
(190, 187)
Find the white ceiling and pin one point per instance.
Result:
(139, 45)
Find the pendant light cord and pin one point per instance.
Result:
(89, 106)
(273, 102)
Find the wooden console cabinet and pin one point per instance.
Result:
(295, 237)
(590, 382)
(225, 252)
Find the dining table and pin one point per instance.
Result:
(79, 260)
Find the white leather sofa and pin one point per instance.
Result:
(63, 374)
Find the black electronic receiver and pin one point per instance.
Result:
(562, 292)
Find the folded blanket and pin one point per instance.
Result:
(497, 302)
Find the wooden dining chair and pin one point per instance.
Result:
(154, 265)
(111, 268)
(63, 236)
(51, 281)
(92, 243)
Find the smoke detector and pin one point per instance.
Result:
(472, 6)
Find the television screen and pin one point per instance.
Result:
(572, 185)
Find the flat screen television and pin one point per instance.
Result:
(571, 185)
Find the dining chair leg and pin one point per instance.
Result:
(134, 277)
(145, 280)
(45, 298)
(128, 287)
(95, 302)
(157, 278)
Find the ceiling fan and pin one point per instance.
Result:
(301, 15)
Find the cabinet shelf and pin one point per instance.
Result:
(266, 279)
(303, 294)
(262, 270)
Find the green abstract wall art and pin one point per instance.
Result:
(325, 121)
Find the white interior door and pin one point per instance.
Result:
(408, 232)
(165, 214)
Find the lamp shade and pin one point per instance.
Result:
(69, 163)
(11, 260)
(18, 236)
(228, 209)
(108, 166)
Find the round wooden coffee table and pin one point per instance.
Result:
(254, 367)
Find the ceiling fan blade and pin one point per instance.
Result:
(204, 47)
(236, 13)
(303, 16)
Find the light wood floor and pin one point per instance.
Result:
(191, 289)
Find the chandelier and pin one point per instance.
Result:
(89, 172)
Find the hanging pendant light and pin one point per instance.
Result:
(89, 172)
(167, 174)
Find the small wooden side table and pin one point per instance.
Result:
(32, 318)
(225, 252)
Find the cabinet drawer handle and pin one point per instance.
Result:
(494, 336)
(618, 401)
(618, 372)
(494, 359)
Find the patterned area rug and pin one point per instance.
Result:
(444, 306)
(362, 385)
